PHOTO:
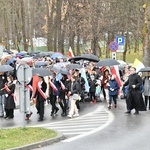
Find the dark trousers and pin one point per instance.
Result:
(112, 98)
(63, 105)
(9, 113)
(92, 96)
(40, 108)
(78, 105)
(147, 98)
(53, 103)
(104, 94)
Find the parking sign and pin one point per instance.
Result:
(120, 40)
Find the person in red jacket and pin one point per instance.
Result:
(104, 82)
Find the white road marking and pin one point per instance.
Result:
(82, 126)
(111, 118)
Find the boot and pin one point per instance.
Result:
(94, 101)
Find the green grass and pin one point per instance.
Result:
(16, 137)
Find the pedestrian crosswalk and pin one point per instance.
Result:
(82, 125)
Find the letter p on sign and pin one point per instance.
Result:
(120, 40)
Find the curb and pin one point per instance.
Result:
(40, 144)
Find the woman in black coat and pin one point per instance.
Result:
(10, 103)
(40, 97)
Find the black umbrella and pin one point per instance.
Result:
(90, 57)
(41, 72)
(64, 71)
(73, 66)
(6, 68)
(39, 55)
(107, 62)
(75, 58)
(146, 69)
(55, 69)
(40, 63)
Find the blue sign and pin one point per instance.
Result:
(120, 40)
(113, 46)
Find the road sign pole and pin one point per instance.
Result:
(114, 55)
(24, 74)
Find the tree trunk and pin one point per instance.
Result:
(23, 26)
(71, 41)
(78, 42)
(59, 5)
(146, 40)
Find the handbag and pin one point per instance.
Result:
(75, 96)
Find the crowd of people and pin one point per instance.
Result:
(69, 90)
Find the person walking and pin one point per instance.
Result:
(146, 93)
(113, 91)
(134, 98)
(92, 90)
(40, 97)
(104, 81)
(10, 102)
(62, 95)
(54, 93)
(3, 80)
(73, 89)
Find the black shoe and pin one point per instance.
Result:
(40, 120)
(128, 112)
(52, 114)
(56, 110)
(109, 107)
(6, 117)
(63, 114)
(136, 113)
(10, 117)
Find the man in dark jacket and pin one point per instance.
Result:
(134, 98)
(3, 80)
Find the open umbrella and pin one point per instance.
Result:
(146, 69)
(6, 68)
(61, 64)
(54, 69)
(57, 55)
(90, 57)
(40, 63)
(41, 72)
(10, 61)
(107, 62)
(73, 66)
(75, 58)
(39, 55)
(64, 71)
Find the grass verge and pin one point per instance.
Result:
(16, 137)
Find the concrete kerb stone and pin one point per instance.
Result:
(56, 139)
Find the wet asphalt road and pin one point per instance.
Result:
(126, 132)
